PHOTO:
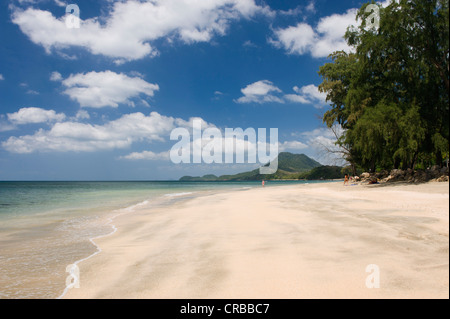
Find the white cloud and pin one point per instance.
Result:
(291, 12)
(55, 76)
(189, 124)
(60, 3)
(260, 92)
(249, 44)
(320, 41)
(82, 115)
(217, 96)
(318, 132)
(147, 155)
(1, 77)
(234, 146)
(145, 103)
(130, 28)
(102, 89)
(295, 40)
(265, 91)
(72, 136)
(33, 115)
(292, 146)
(311, 7)
(308, 94)
(295, 98)
(5, 125)
(260, 88)
(322, 141)
(312, 92)
(386, 3)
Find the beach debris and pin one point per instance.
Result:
(433, 174)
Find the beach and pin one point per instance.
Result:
(293, 242)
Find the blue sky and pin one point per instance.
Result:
(99, 102)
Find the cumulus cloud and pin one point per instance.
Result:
(217, 146)
(319, 41)
(81, 137)
(308, 94)
(260, 92)
(55, 76)
(33, 115)
(265, 91)
(60, 3)
(130, 28)
(147, 155)
(1, 77)
(295, 98)
(319, 134)
(73, 136)
(103, 89)
(312, 92)
(292, 146)
(5, 125)
(323, 142)
(82, 115)
(311, 7)
(295, 39)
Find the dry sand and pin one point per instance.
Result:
(302, 241)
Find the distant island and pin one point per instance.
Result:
(290, 167)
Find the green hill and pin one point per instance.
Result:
(290, 166)
(296, 163)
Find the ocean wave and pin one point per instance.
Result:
(109, 222)
(178, 194)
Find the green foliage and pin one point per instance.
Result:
(325, 172)
(391, 95)
(348, 170)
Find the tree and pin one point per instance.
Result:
(391, 95)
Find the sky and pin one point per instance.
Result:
(99, 101)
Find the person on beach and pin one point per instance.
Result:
(263, 183)
(346, 180)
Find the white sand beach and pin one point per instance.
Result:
(297, 241)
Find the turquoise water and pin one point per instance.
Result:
(45, 226)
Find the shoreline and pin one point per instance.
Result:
(166, 200)
(192, 249)
(40, 241)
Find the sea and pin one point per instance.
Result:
(47, 226)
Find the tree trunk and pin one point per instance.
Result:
(439, 158)
(396, 163)
(372, 167)
(353, 169)
(414, 161)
